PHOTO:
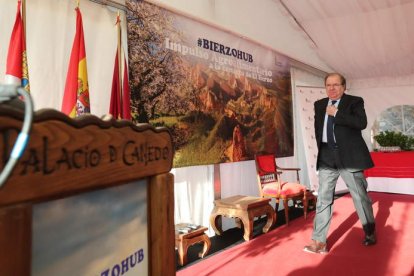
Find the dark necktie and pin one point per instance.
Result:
(330, 130)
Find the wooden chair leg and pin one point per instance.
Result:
(214, 222)
(248, 227)
(286, 206)
(305, 205)
(182, 252)
(271, 218)
(206, 245)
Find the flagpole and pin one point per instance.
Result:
(118, 22)
(25, 67)
(24, 19)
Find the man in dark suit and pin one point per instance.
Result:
(339, 120)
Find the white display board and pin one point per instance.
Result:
(305, 97)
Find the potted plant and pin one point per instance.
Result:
(393, 141)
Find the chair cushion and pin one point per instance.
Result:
(288, 188)
(270, 189)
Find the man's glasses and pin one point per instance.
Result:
(335, 85)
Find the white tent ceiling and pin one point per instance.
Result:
(360, 38)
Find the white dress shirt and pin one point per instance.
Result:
(324, 136)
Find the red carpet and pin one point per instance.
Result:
(279, 252)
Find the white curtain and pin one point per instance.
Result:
(193, 195)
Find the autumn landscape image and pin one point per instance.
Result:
(214, 115)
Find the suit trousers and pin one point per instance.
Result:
(330, 168)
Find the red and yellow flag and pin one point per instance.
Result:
(17, 71)
(120, 99)
(76, 97)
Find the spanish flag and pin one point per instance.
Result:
(120, 99)
(76, 97)
(17, 71)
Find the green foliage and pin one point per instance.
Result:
(392, 139)
(198, 117)
(167, 121)
(197, 152)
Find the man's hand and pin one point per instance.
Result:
(331, 110)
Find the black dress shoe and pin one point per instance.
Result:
(370, 239)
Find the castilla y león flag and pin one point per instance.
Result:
(126, 98)
(120, 99)
(17, 71)
(76, 97)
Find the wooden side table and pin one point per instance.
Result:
(184, 240)
(244, 209)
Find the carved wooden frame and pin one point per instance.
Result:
(67, 156)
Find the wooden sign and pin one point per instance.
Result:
(95, 153)
(67, 156)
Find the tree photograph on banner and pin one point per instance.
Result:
(223, 98)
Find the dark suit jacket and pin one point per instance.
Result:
(349, 121)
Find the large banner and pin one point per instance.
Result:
(223, 98)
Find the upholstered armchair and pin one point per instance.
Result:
(271, 185)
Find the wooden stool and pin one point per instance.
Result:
(184, 240)
(244, 209)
